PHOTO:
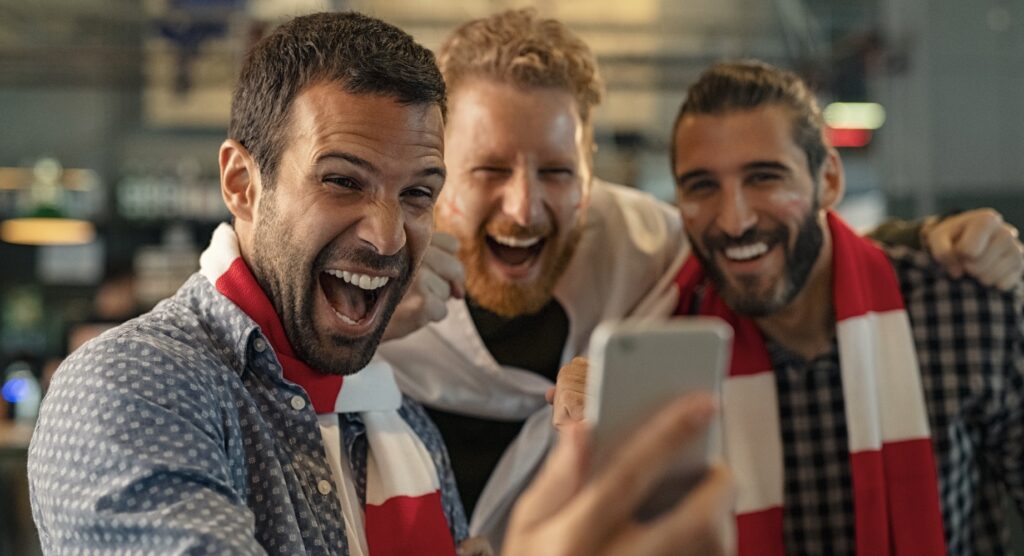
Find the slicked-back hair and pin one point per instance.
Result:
(518, 48)
(361, 54)
(748, 84)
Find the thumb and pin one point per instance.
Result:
(941, 243)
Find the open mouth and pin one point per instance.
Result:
(516, 252)
(353, 296)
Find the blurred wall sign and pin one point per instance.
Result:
(70, 265)
(190, 63)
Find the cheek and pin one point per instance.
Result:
(689, 210)
(457, 206)
(792, 202)
(566, 203)
(418, 230)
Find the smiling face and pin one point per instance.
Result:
(335, 240)
(751, 207)
(518, 183)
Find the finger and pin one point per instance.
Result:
(573, 376)
(991, 267)
(549, 395)
(1011, 280)
(446, 242)
(977, 234)
(445, 265)
(556, 482)
(568, 408)
(609, 501)
(701, 524)
(434, 286)
(1003, 273)
(435, 309)
(940, 243)
(448, 267)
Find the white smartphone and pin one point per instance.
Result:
(638, 367)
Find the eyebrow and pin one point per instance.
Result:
(756, 165)
(369, 166)
(767, 165)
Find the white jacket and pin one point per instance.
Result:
(631, 248)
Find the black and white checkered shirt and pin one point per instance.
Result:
(969, 345)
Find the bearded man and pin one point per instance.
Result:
(875, 404)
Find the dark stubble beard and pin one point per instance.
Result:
(292, 288)
(800, 259)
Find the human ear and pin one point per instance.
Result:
(239, 180)
(832, 181)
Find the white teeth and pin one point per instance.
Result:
(345, 319)
(512, 241)
(746, 252)
(362, 281)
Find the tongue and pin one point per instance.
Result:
(513, 256)
(344, 298)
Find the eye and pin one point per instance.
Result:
(421, 196)
(557, 172)
(344, 182)
(698, 187)
(763, 177)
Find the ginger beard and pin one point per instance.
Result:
(292, 285)
(494, 291)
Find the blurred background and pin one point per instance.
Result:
(111, 113)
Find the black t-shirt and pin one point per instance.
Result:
(531, 342)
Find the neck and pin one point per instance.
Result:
(806, 326)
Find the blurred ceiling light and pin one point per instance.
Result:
(854, 115)
(46, 224)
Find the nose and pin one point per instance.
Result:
(523, 198)
(735, 214)
(383, 227)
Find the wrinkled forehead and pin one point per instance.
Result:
(326, 116)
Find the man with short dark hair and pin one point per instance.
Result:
(875, 404)
(230, 420)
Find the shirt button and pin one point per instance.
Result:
(324, 487)
(260, 345)
(298, 403)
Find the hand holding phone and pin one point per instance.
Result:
(637, 368)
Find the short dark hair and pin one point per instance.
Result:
(749, 84)
(362, 54)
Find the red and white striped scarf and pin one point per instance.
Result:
(895, 484)
(403, 512)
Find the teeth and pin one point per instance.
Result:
(362, 281)
(746, 252)
(512, 241)
(345, 319)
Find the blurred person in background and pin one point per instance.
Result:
(540, 251)
(240, 416)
